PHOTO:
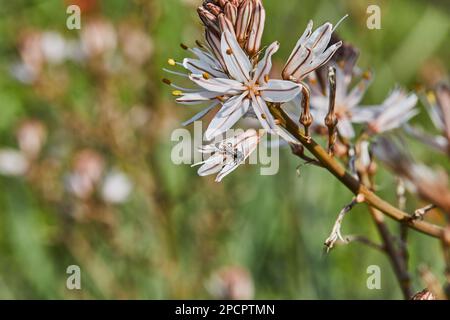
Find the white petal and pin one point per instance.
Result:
(197, 97)
(365, 114)
(199, 67)
(237, 62)
(317, 61)
(398, 121)
(280, 91)
(262, 113)
(396, 111)
(228, 115)
(345, 128)
(218, 85)
(212, 165)
(265, 65)
(320, 38)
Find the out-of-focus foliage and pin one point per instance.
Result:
(157, 230)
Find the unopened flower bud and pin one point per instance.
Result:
(244, 18)
(256, 28)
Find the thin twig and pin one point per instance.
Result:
(401, 201)
(363, 240)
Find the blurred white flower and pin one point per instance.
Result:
(396, 110)
(136, 45)
(53, 47)
(87, 170)
(98, 37)
(32, 58)
(31, 136)
(347, 98)
(116, 187)
(438, 107)
(13, 162)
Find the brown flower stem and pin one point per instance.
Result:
(335, 168)
(446, 252)
(365, 241)
(395, 257)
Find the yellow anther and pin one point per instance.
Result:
(206, 75)
(266, 78)
(177, 93)
(199, 44)
(171, 61)
(431, 97)
(367, 75)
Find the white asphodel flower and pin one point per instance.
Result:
(243, 90)
(347, 99)
(396, 110)
(311, 51)
(438, 106)
(228, 154)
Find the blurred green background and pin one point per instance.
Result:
(177, 235)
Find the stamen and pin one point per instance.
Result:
(167, 81)
(266, 78)
(229, 51)
(171, 62)
(206, 75)
(339, 22)
(176, 73)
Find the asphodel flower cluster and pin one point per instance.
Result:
(233, 75)
(320, 86)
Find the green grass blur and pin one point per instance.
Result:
(177, 229)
